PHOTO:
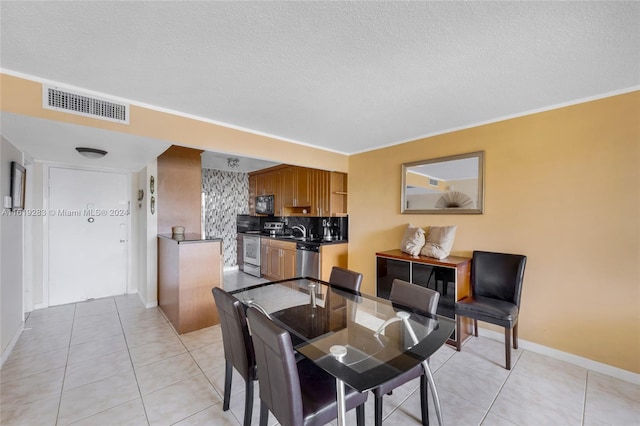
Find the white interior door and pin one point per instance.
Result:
(88, 234)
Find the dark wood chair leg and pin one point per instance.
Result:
(360, 415)
(248, 402)
(515, 336)
(475, 327)
(228, 374)
(424, 401)
(378, 411)
(507, 346)
(458, 337)
(264, 414)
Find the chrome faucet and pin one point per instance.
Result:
(302, 229)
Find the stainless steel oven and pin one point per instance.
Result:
(251, 252)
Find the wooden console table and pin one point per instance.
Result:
(451, 277)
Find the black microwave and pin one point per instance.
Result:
(264, 204)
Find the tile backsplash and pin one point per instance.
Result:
(225, 197)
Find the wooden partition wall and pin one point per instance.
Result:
(179, 190)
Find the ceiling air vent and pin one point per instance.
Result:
(83, 104)
(433, 182)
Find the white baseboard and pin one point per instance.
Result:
(12, 344)
(230, 268)
(151, 304)
(589, 364)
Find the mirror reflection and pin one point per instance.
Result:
(449, 185)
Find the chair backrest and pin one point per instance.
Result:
(498, 275)
(279, 381)
(238, 346)
(414, 296)
(345, 278)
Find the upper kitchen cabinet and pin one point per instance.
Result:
(338, 194)
(300, 191)
(329, 193)
(266, 183)
(296, 188)
(320, 201)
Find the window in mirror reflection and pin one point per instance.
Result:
(444, 185)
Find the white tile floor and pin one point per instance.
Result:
(113, 362)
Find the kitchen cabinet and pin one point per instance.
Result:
(449, 276)
(278, 259)
(278, 205)
(266, 183)
(338, 194)
(333, 255)
(296, 191)
(187, 271)
(300, 191)
(330, 193)
(320, 201)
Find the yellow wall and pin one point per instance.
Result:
(563, 188)
(22, 96)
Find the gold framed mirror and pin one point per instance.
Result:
(445, 185)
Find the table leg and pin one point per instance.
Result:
(434, 391)
(342, 410)
(339, 352)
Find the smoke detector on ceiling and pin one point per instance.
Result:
(84, 104)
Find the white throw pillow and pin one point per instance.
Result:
(413, 240)
(439, 241)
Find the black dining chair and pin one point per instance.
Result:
(496, 286)
(345, 278)
(423, 299)
(238, 348)
(296, 393)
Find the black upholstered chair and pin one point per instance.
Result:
(345, 278)
(424, 299)
(496, 285)
(296, 393)
(238, 348)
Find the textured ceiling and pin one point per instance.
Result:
(344, 76)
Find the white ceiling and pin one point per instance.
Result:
(344, 76)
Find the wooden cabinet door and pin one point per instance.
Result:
(287, 187)
(273, 256)
(267, 180)
(278, 209)
(260, 184)
(288, 263)
(321, 195)
(303, 187)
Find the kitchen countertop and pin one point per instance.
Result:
(189, 238)
(319, 241)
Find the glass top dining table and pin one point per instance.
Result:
(381, 339)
